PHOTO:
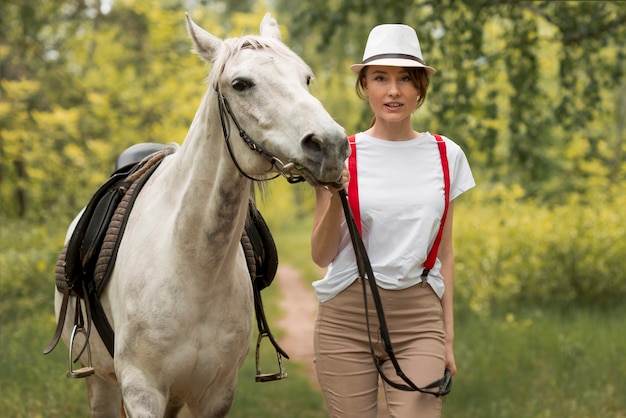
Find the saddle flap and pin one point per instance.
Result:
(98, 224)
(75, 258)
(265, 253)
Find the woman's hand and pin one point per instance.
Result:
(342, 184)
(450, 362)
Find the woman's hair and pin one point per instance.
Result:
(418, 75)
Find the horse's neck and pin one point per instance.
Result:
(213, 195)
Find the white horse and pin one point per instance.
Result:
(180, 297)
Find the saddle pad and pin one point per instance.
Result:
(59, 271)
(115, 228)
(112, 239)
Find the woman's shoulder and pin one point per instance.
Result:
(450, 143)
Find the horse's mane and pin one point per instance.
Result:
(172, 147)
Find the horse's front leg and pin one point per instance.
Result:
(216, 400)
(141, 397)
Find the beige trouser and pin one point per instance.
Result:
(345, 369)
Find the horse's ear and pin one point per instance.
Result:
(205, 44)
(269, 27)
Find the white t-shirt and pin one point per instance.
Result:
(401, 199)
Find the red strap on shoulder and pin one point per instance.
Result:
(353, 189)
(432, 255)
(353, 197)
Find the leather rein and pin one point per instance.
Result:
(437, 388)
(285, 170)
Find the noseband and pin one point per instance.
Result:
(285, 170)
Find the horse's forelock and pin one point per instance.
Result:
(232, 46)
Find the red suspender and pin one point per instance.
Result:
(353, 197)
(432, 255)
(353, 189)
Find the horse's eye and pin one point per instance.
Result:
(241, 85)
(308, 80)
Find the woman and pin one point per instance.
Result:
(401, 204)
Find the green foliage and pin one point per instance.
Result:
(292, 237)
(533, 91)
(28, 254)
(519, 251)
(130, 77)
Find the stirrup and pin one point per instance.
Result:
(83, 371)
(268, 377)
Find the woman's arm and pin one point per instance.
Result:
(446, 257)
(326, 223)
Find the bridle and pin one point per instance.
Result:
(285, 170)
(437, 388)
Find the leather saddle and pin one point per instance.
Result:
(87, 260)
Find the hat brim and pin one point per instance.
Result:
(393, 62)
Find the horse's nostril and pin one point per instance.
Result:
(312, 147)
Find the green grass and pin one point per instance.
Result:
(541, 362)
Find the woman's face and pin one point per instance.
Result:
(392, 94)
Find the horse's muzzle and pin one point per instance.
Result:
(324, 157)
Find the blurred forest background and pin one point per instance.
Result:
(534, 92)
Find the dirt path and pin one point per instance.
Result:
(299, 306)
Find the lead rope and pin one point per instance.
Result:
(365, 272)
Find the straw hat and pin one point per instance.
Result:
(395, 45)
